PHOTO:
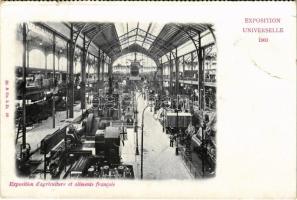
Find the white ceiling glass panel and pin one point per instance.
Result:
(156, 29)
(120, 29)
(128, 31)
(145, 45)
(132, 25)
(139, 43)
(144, 26)
(186, 48)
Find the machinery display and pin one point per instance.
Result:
(135, 68)
(40, 92)
(90, 148)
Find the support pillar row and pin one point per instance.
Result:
(71, 85)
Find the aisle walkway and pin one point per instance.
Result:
(129, 152)
(160, 161)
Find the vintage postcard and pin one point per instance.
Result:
(148, 100)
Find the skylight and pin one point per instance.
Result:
(130, 33)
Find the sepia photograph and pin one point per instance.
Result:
(109, 100)
(148, 100)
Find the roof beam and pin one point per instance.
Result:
(135, 42)
(136, 32)
(127, 33)
(127, 38)
(148, 36)
(147, 31)
(88, 31)
(172, 38)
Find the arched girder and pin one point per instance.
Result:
(139, 49)
(91, 39)
(191, 29)
(78, 32)
(189, 35)
(212, 33)
(112, 45)
(210, 30)
(119, 55)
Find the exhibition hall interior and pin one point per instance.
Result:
(115, 100)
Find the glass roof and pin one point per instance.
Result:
(142, 34)
(153, 39)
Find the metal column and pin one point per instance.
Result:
(183, 64)
(192, 66)
(67, 80)
(88, 77)
(177, 128)
(176, 73)
(170, 74)
(83, 76)
(110, 77)
(98, 70)
(136, 126)
(201, 74)
(110, 68)
(192, 61)
(24, 85)
(59, 63)
(201, 95)
(184, 71)
(162, 79)
(103, 67)
(89, 65)
(45, 63)
(54, 78)
(71, 89)
(28, 52)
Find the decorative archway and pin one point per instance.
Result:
(136, 48)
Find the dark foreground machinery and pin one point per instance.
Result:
(89, 149)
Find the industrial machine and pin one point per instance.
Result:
(135, 67)
(134, 71)
(88, 149)
(104, 133)
(39, 92)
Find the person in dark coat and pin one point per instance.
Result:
(171, 140)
